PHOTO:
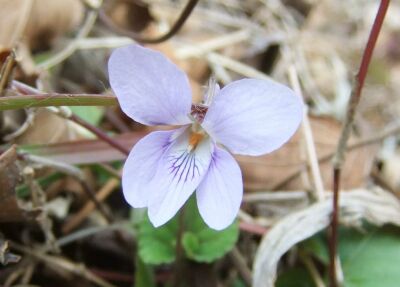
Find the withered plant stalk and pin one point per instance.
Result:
(339, 156)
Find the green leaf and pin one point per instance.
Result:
(371, 259)
(144, 276)
(191, 244)
(295, 277)
(317, 247)
(238, 283)
(92, 115)
(202, 243)
(157, 245)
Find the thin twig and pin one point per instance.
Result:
(275, 196)
(213, 44)
(252, 228)
(309, 264)
(57, 263)
(100, 134)
(25, 89)
(83, 233)
(112, 171)
(139, 38)
(229, 63)
(73, 45)
(114, 119)
(241, 265)
(100, 196)
(310, 145)
(54, 100)
(103, 42)
(339, 156)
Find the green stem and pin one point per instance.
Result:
(54, 99)
(180, 256)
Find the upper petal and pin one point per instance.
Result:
(220, 193)
(253, 117)
(150, 88)
(179, 173)
(141, 165)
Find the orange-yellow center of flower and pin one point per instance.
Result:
(194, 139)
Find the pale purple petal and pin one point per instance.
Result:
(150, 88)
(178, 175)
(141, 165)
(253, 117)
(220, 193)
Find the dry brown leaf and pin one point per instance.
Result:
(9, 177)
(49, 128)
(10, 209)
(38, 21)
(266, 172)
(130, 15)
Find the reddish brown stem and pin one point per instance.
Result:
(100, 134)
(333, 242)
(139, 38)
(341, 148)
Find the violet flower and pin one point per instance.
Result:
(247, 117)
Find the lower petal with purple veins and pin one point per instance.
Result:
(179, 172)
(220, 193)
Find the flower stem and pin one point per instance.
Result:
(341, 147)
(180, 257)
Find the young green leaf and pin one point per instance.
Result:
(157, 245)
(371, 259)
(202, 243)
(295, 277)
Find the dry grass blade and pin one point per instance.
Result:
(56, 263)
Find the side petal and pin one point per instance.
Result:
(220, 193)
(150, 88)
(141, 165)
(253, 117)
(179, 173)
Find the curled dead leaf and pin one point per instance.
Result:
(10, 208)
(375, 206)
(47, 127)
